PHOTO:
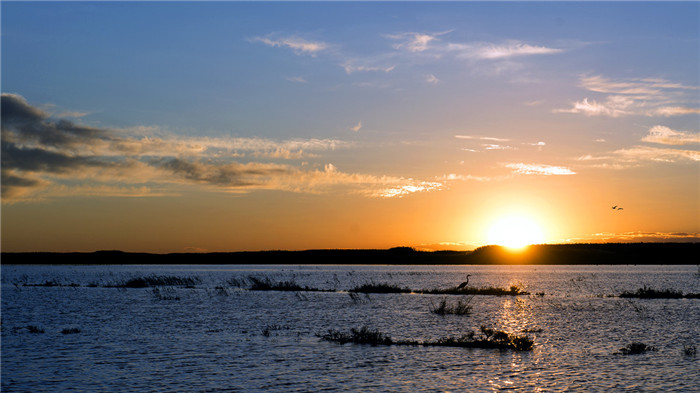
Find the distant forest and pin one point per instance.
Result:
(545, 254)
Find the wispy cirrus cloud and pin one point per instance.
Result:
(351, 68)
(506, 50)
(297, 44)
(43, 157)
(414, 42)
(666, 136)
(642, 96)
(539, 169)
(640, 154)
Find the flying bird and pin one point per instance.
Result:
(617, 208)
(464, 284)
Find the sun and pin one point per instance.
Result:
(514, 232)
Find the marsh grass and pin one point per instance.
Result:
(157, 281)
(689, 350)
(380, 288)
(165, 294)
(486, 339)
(461, 307)
(266, 284)
(514, 290)
(364, 335)
(356, 298)
(636, 348)
(650, 293)
(29, 328)
(50, 283)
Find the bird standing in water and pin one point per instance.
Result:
(464, 284)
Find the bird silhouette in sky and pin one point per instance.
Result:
(617, 208)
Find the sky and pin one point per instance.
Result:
(229, 126)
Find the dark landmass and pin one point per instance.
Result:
(545, 254)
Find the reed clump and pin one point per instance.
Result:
(266, 284)
(157, 281)
(514, 290)
(461, 307)
(380, 288)
(650, 293)
(487, 339)
(636, 348)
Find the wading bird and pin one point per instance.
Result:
(464, 284)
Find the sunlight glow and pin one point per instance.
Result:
(514, 232)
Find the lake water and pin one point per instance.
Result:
(216, 337)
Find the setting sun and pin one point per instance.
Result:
(514, 232)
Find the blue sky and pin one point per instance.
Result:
(413, 98)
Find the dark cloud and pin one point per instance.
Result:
(233, 174)
(22, 122)
(39, 160)
(16, 110)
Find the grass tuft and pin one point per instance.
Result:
(363, 335)
(461, 307)
(636, 348)
(514, 290)
(265, 284)
(379, 288)
(488, 339)
(689, 350)
(157, 281)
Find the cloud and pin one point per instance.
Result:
(490, 51)
(491, 146)
(432, 79)
(636, 154)
(513, 49)
(297, 79)
(644, 97)
(357, 128)
(455, 177)
(351, 68)
(298, 45)
(644, 237)
(594, 108)
(674, 111)
(538, 169)
(414, 42)
(666, 136)
(482, 138)
(44, 157)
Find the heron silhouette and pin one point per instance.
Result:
(464, 284)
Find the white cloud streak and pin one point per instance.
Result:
(298, 45)
(666, 136)
(644, 97)
(538, 169)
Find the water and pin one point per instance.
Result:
(231, 339)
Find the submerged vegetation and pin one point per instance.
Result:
(461, 307)
(156, 281)
(380, 288)
(636, 348)
(650, 293)
(486, 339)
(266, 284)
(514, 290)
